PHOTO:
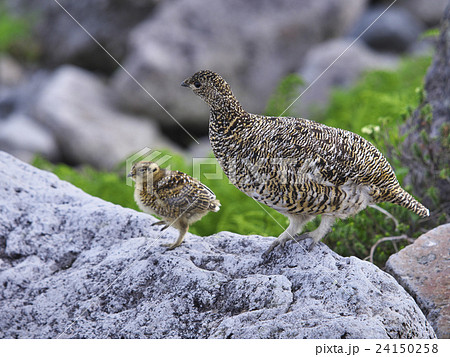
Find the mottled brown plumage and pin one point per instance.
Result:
(296, 166)
(179, 199)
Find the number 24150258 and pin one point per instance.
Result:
(407, 348)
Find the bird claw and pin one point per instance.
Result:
(304, 236)
(311, 246)
(275, 243)
(170, 246)
(160, 223)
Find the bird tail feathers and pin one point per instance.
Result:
(404, 199)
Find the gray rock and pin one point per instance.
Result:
(21, 136)
(62, 40)
(75, 266)
(20, 95)
(429, 12)
(422, 269)
(11, 72)
(343, 73)
(395, 31)
(252, 44)
(78, 109)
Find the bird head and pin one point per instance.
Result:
(144, 171)
(211, 87)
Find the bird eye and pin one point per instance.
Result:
(155, 169)
(143, 169)
(197, 84)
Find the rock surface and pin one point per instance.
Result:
(395, 31)
(21, 136)
(252, 49)
(72, 265)
(429, 12)
(61, 40)
(78, 109)
(423, 270)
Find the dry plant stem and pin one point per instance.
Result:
(388, 239)
(378, 208)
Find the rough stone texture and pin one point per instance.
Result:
(253, 44)
(77, 107)
(395, 31)
(423, 269)
(75, 266)
(61, 40)
(344, 72)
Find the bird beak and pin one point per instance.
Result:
(130, 175)
(184, 83)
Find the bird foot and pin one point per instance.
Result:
(160, 223)
(279, 241)
(300, 237)
(170, 246)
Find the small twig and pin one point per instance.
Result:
(386, 213)
(388, 239)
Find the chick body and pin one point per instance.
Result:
(179, 199)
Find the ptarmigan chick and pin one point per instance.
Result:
(179, 199)
(296, 166)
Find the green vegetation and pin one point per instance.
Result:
(16, 35)
(377, 97)
(287, 91)
(376, 104)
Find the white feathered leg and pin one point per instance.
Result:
(296, 225)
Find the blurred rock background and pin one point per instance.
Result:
(64, 97)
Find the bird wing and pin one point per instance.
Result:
(184, 192)
(334, 156)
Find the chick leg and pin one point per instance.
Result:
(160, 223)
(183, 228)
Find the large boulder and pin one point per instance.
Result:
(396, 30)
(252, 44)
(23, 137)
(72, 265)
(61, 40)
(429, 12)
(79, 110)
(422, 269)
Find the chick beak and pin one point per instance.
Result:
(130, 174)
(184, 83)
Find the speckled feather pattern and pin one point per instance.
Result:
(174, 193)
(176, 197)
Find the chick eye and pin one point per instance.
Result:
(155, 169)
(142, 170)
(197, 84)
